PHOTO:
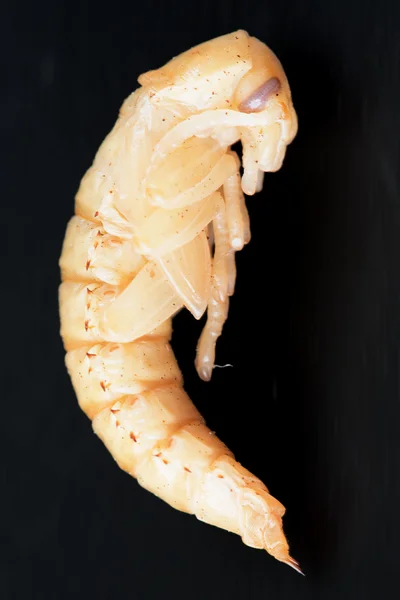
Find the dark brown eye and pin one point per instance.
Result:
(258, 99)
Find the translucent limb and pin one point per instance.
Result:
(188, 270)
(166, 230)
(205, 356)
(218, 305)
(238, 222)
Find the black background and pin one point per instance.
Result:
(311, 404)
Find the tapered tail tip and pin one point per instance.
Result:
(294, 564)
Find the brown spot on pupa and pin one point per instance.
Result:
(103, 386)
(117, 423)
(165, 461)
(86, 325)
(89, 370)
(96, 214)
(89, 291)
(87, 265)
(188, 470)
(90, 354)
(95, 244)
(158, 455)
(100, 233)
(220, 476)
(115, 411)
(114, 243)
(133, 436)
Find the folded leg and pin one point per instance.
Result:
(205, 357)
(222, 281)
(238, 221)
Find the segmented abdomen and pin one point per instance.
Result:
(132, 391)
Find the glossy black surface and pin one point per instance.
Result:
(312, 403)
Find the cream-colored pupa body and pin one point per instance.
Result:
(158, 218)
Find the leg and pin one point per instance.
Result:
(233, 196)
(221, 251)
(250, 163)
(205, 356)
(231, 229)
(222, 282)
(238, 222)
(246, 220)
(260, 181)
(231, 267)
(190, 173)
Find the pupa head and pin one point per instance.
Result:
(265, 89)
(240, 73)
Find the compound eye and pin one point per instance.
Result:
(259, 98)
